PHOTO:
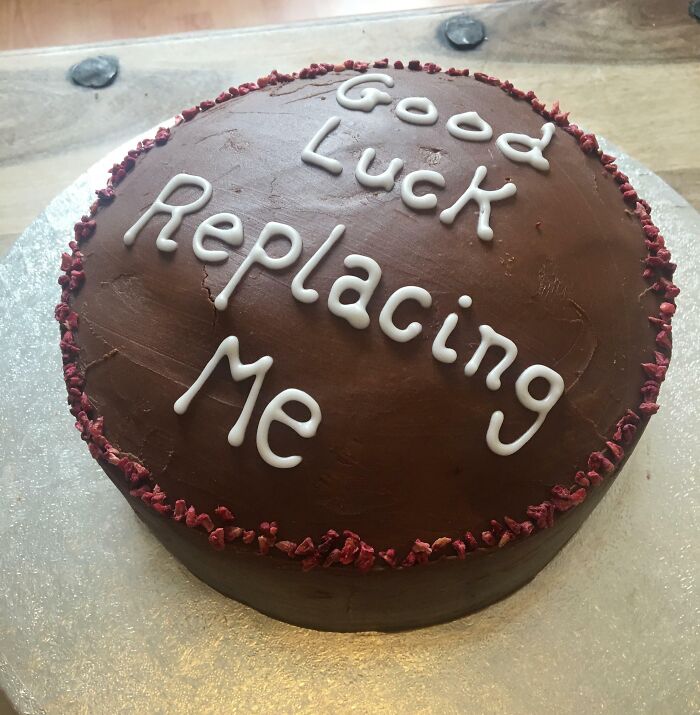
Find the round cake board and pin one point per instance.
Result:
(98, 617)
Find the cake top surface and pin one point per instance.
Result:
(399, 303)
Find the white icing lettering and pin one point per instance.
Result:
(540, 407)
(386, 317)
(481, 132)
(176, 211)
(274, 412)
(490, 338)
(427, 201)
(370, 97)
(259, 255)
(483, 198)
(440, 350)
(417, 110)
(355, 313)
(210, 228)
(299, 291)
(533, 155)
(385, 180)
(229, 347)
(310, 155)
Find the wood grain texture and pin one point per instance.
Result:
(627, 69)
(37, 23)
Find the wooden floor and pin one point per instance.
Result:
(45, 23)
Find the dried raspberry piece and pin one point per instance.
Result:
(649, 408)
(389, 556)
(224, 513)
(617, 452)
(287, 547)
(269, 528)
(564, 499)
(470, 541)
(162, 136)
(460, 549)
(595, 478)
(398, 65)
(265, 543)
(512, 525)
(658, 372)
(365, 558)
(600, 463)
(327, 541)
(311, 562)
(409, 561)
(163, 509)
(496, 527)
(216, 539)
(582, 480)
(542, 514)
(349, 550)
(332, 558)
(381, 64)
(505, 538)
(421, 547)
(306, 547)
(231, 533)
(191, 517)
(526, 528)
(204, 521)
(441, 543)
(488, 538)
(650, 390)
(189, 114)
(249, 536)
(415, 65)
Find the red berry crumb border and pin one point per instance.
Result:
(347, 548)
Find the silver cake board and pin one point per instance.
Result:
(97, 617)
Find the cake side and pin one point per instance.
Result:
(437, 526)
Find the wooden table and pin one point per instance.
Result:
(627, 69)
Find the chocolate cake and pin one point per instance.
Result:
(364, 345)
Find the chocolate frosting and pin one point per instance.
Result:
(401, 451)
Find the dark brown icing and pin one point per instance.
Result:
(401, 450)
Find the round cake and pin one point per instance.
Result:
(364, 344)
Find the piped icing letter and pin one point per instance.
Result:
(440, 350)
(427, 201)
(533, 155)
(299, 291)
(540, 407)
(385, 180)
(490, 338)
(210, 228)
(417, 110)
(355, 313)
(310, 155)
(259, 255)
(481, 132)
(274, 412)
(483, 197)
(176, 211)
(370, 97)
(230, 349)
(386, 317)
